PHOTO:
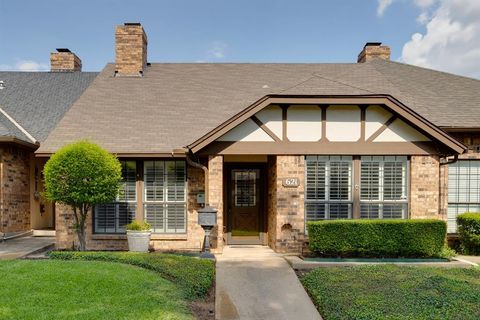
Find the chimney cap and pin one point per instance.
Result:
(373, 44)
(63, 50)
(132, 24)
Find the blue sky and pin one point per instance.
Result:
(215, 30)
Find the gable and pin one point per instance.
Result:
(333, 123)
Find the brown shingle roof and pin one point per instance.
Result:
(175, 104)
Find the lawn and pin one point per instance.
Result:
(51, 289)
(104, 285)
(395, 292)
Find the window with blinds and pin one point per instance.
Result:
(328, 189)
(165, 204)
(463, 190)
(383, 187)
(112, 217)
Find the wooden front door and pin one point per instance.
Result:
(245, 204)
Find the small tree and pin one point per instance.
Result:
(81, 175)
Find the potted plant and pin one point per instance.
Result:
(138, 236)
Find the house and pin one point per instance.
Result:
(269, 146)
(31, 105)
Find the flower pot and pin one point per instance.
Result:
(138, 241)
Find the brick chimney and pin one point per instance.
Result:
(130, 50)
(373, 50)
(64, 61)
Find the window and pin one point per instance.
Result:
(463, 190)
(112, 217)
(328, 187)
(383, 187)
(165, 196)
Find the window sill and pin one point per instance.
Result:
(109, 236)
(169, 236)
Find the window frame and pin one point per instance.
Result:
(165, 202)
(117, 202)
(452, 228)
(381, 186)
(356, 187)
(327, 201)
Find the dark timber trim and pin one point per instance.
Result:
(265, 128)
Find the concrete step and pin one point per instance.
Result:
(44, 233)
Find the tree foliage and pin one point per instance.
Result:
(81, 175)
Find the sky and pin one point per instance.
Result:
(438, 34)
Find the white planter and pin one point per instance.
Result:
(138, 241)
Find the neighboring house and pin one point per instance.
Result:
(31, 104)
(271, 146)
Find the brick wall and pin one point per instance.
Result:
(15, 187)
(272, 201)
(290, 218)
(191, 241)
(215, 194)
(425, 187)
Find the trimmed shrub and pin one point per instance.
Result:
(194, 276)
(469, 232)
(377, 238)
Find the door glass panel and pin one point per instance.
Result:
(244, 188)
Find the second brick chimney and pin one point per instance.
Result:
(130, 49)
(64, 61)
(373, 50)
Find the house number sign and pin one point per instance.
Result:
(290, 182)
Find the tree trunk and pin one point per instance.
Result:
(80, 221)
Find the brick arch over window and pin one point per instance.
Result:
(362, 125)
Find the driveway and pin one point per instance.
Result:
(253, 282)
(20, 247)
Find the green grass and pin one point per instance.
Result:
(395, 292)
(53, 289)
(193, 276)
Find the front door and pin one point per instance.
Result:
(245, 205)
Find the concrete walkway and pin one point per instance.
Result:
(473, 260)
(253, 282)
(21, 247)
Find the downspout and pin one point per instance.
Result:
(195, 164)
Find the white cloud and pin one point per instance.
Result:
(25, 65)
(218, 50)
(451, 41)
(382, 6)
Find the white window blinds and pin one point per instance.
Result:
(328, 190)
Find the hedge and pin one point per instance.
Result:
(469, 232)
(194, 276)
(377, 238)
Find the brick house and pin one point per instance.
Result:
(271, 146)
(31, 105)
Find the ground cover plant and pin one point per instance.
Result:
(394, 292)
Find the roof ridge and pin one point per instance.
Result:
(18, 126)
(343, 83)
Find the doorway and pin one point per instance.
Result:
(245, 203)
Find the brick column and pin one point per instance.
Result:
(290, 215)
(425, 187)
(215, 195)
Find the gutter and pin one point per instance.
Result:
(448, 161)
(195, 164)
